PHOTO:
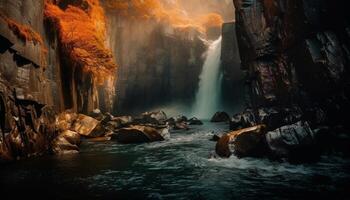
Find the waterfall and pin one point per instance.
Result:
(208, 97)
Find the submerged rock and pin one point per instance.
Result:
(220, 117)
(140, 134)
(245, 142)
(195, 121)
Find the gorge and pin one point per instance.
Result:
(174, 99)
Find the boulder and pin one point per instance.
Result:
(97, 114)
(275, 117)
(180, 119)
(5, 153)
(158, 117)
(170, 122)
(181, 126)
(271, 117)
(139, 134)
(88, 126)
(245, 142)
(66, 143)
(100, 139)
(243, 120)
(65, 120)
(71, 136)
(294, 142)
(123, 120)
(195, 121)
(215, 138)
(220, 117)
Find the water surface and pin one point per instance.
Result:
(180, 168)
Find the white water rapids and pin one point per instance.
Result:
(208, 97)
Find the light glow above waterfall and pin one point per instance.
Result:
(208, 97)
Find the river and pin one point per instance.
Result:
(180, 168)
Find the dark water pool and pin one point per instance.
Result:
(179, 168)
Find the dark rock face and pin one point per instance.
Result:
(296, 57)
(157, 63)
(233, 85)
(292, 54)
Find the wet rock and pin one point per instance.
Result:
(243, 120)
(100, 139)
(71, 136)
(66, 143)
(195, 121)
(243, 143)
(5, 153)
(180, 119)
(65, 120)
(220, 117)
(295, 142)
(215, 138)
(170, 122)
(139, 134)
(97, 114)
(275, 117)
(62, 146)
(181, 126)
(158, 117)
(88, 126)
(123, 120)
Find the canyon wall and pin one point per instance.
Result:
(30, 83)
(158, 63)
(38, 79)
(296, 54)
(233, 77)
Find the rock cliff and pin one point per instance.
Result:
(295, 54)
(36, 81)
(157, 63)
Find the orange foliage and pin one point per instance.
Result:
(82, 37)
(173, 15)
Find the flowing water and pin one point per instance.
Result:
(209, 92)
(180, 168)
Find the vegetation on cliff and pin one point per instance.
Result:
(82, 34)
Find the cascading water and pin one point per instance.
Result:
(208, 97)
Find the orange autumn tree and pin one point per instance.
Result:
(82, 34)
(172, 14)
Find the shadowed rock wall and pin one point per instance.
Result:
(296, 52)
(157, 63)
